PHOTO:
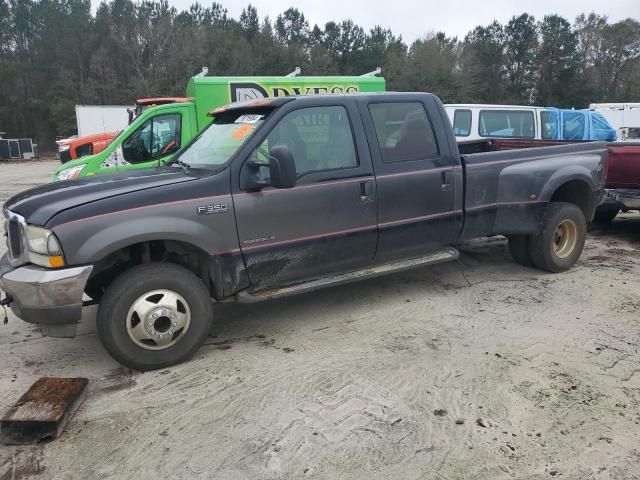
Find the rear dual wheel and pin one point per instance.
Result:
(558, 244)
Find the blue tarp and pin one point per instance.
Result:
(564, 124)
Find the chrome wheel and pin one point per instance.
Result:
(565, 238)
(158, 319)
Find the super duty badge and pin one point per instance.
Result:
(211, 209)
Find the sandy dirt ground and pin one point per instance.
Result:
(474, 370)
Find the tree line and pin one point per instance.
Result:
(55, 54)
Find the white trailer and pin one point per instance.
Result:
(101, 119)
(625, 118)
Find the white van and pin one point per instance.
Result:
(475, 122)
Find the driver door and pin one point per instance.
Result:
(326, 224)
(154, 142)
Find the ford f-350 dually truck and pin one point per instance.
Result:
(281, 196)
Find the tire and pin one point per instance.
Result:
(605, 216)
(519, 249)
(136, 338)
(559, 243)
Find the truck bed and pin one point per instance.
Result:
(623, 167)
(499, 199)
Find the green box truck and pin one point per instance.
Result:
(158, 132)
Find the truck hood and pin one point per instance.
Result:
(39, 204)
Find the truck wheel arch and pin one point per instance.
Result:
(571, 184)
(578, 192)
(188, 255)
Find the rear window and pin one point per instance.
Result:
(506, 123)
(462, 123)
(404, 132)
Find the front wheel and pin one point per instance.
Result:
(154, 315)
(558, 245)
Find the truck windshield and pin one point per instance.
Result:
(218, 142)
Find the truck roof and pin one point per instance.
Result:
(489, 105)
(286, 80)
(274, 102)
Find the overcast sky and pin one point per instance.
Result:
(415, 18)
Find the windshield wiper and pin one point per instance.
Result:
(176, 161)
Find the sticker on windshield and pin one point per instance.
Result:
(242, 131)
(249, 118)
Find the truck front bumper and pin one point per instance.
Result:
(50, 298)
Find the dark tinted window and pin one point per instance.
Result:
(462, 123)
(404, 132)
(319, 138)
(506, 123)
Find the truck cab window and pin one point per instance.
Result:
(462, 123)
(404, 132)
(320, 139)
(156, 138)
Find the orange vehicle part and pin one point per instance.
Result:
(72, 148)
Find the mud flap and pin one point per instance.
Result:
(63, 330)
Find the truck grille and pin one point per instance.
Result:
(14, 243)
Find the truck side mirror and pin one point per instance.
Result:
(282, 167)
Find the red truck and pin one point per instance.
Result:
(623, 172)
(73, 148)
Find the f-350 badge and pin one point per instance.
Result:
(211, 209)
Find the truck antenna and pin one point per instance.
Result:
(203, 73)
(376, 72)
(295, 73)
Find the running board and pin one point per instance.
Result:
(439, 256)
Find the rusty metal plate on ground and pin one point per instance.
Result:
(43, 411)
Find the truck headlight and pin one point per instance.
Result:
(64, 147)
(71, 172)
(43, 247)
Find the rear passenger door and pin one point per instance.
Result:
(326, 223)
(414, 176)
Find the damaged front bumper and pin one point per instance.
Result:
(51, 298)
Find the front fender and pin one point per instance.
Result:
(114, 237)
(91, 239)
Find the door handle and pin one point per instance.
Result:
(445, 176)
(366, 191)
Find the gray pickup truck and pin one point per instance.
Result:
(282, 196)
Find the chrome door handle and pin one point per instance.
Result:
(446, 180)
(366, 191)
